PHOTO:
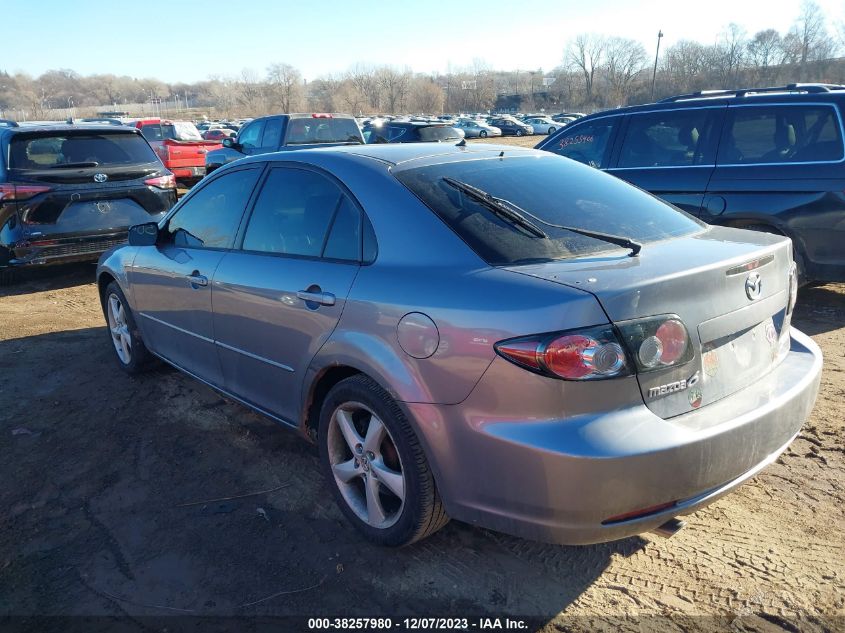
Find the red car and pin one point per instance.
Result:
(217, 134)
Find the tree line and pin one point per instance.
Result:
(596, 72)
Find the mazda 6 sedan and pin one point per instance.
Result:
(498, 335)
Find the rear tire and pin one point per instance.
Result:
(375, 465)
(130, 352)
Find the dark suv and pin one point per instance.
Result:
(767, 159)
(69, 191)
(411, 132)
(286, 131)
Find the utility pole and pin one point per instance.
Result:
(656, 55)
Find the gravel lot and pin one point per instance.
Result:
(106, 480)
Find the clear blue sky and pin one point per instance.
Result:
(190, 40)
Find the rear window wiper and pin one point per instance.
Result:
(489, 200)
(500, 207)
(75, 165)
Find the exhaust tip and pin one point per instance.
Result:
(670, 528)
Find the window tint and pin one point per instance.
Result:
(250, 136)
(272, 134)
(668, 139)
(210, 218)
(588, 143)
(437, 133)
(293, 213)
(345, 237)
(322, 129)
(55, 151)
(781, 134)
(553, 190)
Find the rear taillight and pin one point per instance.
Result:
(321, 115)
(588, 354)
(657, 342)
(11, 193)
(162, 182)
(600, 352)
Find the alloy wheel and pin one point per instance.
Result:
(366, 465)
(119, 329)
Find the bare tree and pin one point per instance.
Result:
(685, 65)
(394, 86)
(765, 51)
(625, 59)
(285, 86)
(363, 78)
(808, 39)
(584, 53)
(729, 55)
(426, 96)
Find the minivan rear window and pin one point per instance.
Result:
(554, 190)
(73, 150)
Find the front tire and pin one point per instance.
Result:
(519, 132)
(482, 134)
(551, 130)
(374, 463)
(131, 353)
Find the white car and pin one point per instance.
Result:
(543, 124)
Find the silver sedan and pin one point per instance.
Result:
(477, 129)
(493, 334)
(543, 124)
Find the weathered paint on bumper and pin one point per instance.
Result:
(558, 479)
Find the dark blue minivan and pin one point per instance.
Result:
(767, 159)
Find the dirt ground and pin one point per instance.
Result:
(114, 502)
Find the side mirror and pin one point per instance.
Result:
(230, 143)
(143, 234)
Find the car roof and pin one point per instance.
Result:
(399, 153)
(52, 126)
(715, 98)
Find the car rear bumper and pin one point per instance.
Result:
(64, 250)
(182, 173)
(561, 480)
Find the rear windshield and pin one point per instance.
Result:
(75, 150)
(554, 190)
(178, 131)
(323, 130)
(438, 133)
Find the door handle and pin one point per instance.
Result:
(323, 298)
(196, 279)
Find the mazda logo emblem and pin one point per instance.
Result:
(100, 177)
(753, 286)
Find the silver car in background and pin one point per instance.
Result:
(493, 334)
(477, 129)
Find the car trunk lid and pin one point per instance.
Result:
(730, 289)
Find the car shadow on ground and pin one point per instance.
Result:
(820, 309)
(31, 280)
(154, 495)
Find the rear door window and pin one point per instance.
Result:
(76, 150)
(781, 134)
(672, 138)
(322, 129)
(303, 213)
(211, 216)
(588, 143)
